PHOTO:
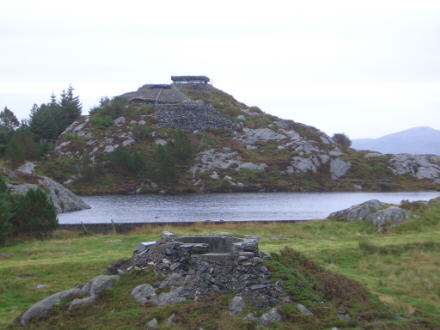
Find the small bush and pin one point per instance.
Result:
(5, 215)
(34, 213)
(342, 140)
(101, 122)
(102, 116)
(121, 161)
(141, 132)
(180, 147)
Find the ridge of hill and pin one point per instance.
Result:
(197, 138)
(416, 140)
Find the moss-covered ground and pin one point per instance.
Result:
(384, 280)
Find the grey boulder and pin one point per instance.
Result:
(236, 306)
(374, 211)
(145, 293)
(304, 310)
(44, 306)
(357, 212)
(94, 288)
(392, 215)
(271, 316)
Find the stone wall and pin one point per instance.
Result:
(191, 116)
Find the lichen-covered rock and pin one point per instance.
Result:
(27, 168)
(357, 212)
(420, 166)
(392, 216)
(44, 306)
(94, 288)
(253, 136)
(374, 211)
(338, 168)
(143, 293)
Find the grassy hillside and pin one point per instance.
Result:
(399, 268)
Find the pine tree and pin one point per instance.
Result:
(8, 120)
(70, 107)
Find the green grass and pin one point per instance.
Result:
(398, 270)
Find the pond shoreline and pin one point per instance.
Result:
(125, 227)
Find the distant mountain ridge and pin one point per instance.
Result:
(417, 140)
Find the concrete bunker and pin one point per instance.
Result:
(209, 244)
(217, 246)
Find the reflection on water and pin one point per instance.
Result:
(227, 207)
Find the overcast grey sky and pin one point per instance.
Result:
(365, 68)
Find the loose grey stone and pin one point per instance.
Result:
(168, 298)
(343, 314)
(303, 309)
(167, 234)
(41, 286)
(27, 168)
(127, 142)
(109, 149)
(119, 121)
(236, 306)
(153, 324)
(214, 176)
(172, 319)
(143, 293)
(271, 317)
(224, 233)
(250, 318)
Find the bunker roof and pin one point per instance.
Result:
(204, 79)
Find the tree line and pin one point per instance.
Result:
(30, 139)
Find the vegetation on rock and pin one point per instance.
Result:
(29, 214)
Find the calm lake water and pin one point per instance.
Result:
(227, 207)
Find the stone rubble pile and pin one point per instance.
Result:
(201, 266)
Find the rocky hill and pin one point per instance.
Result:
(196, 138)
(417, 140)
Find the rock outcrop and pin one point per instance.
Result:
(62, 198)
(94, 288)
(380, 214)
(420, 166)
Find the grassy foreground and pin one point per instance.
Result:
(400, 268)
